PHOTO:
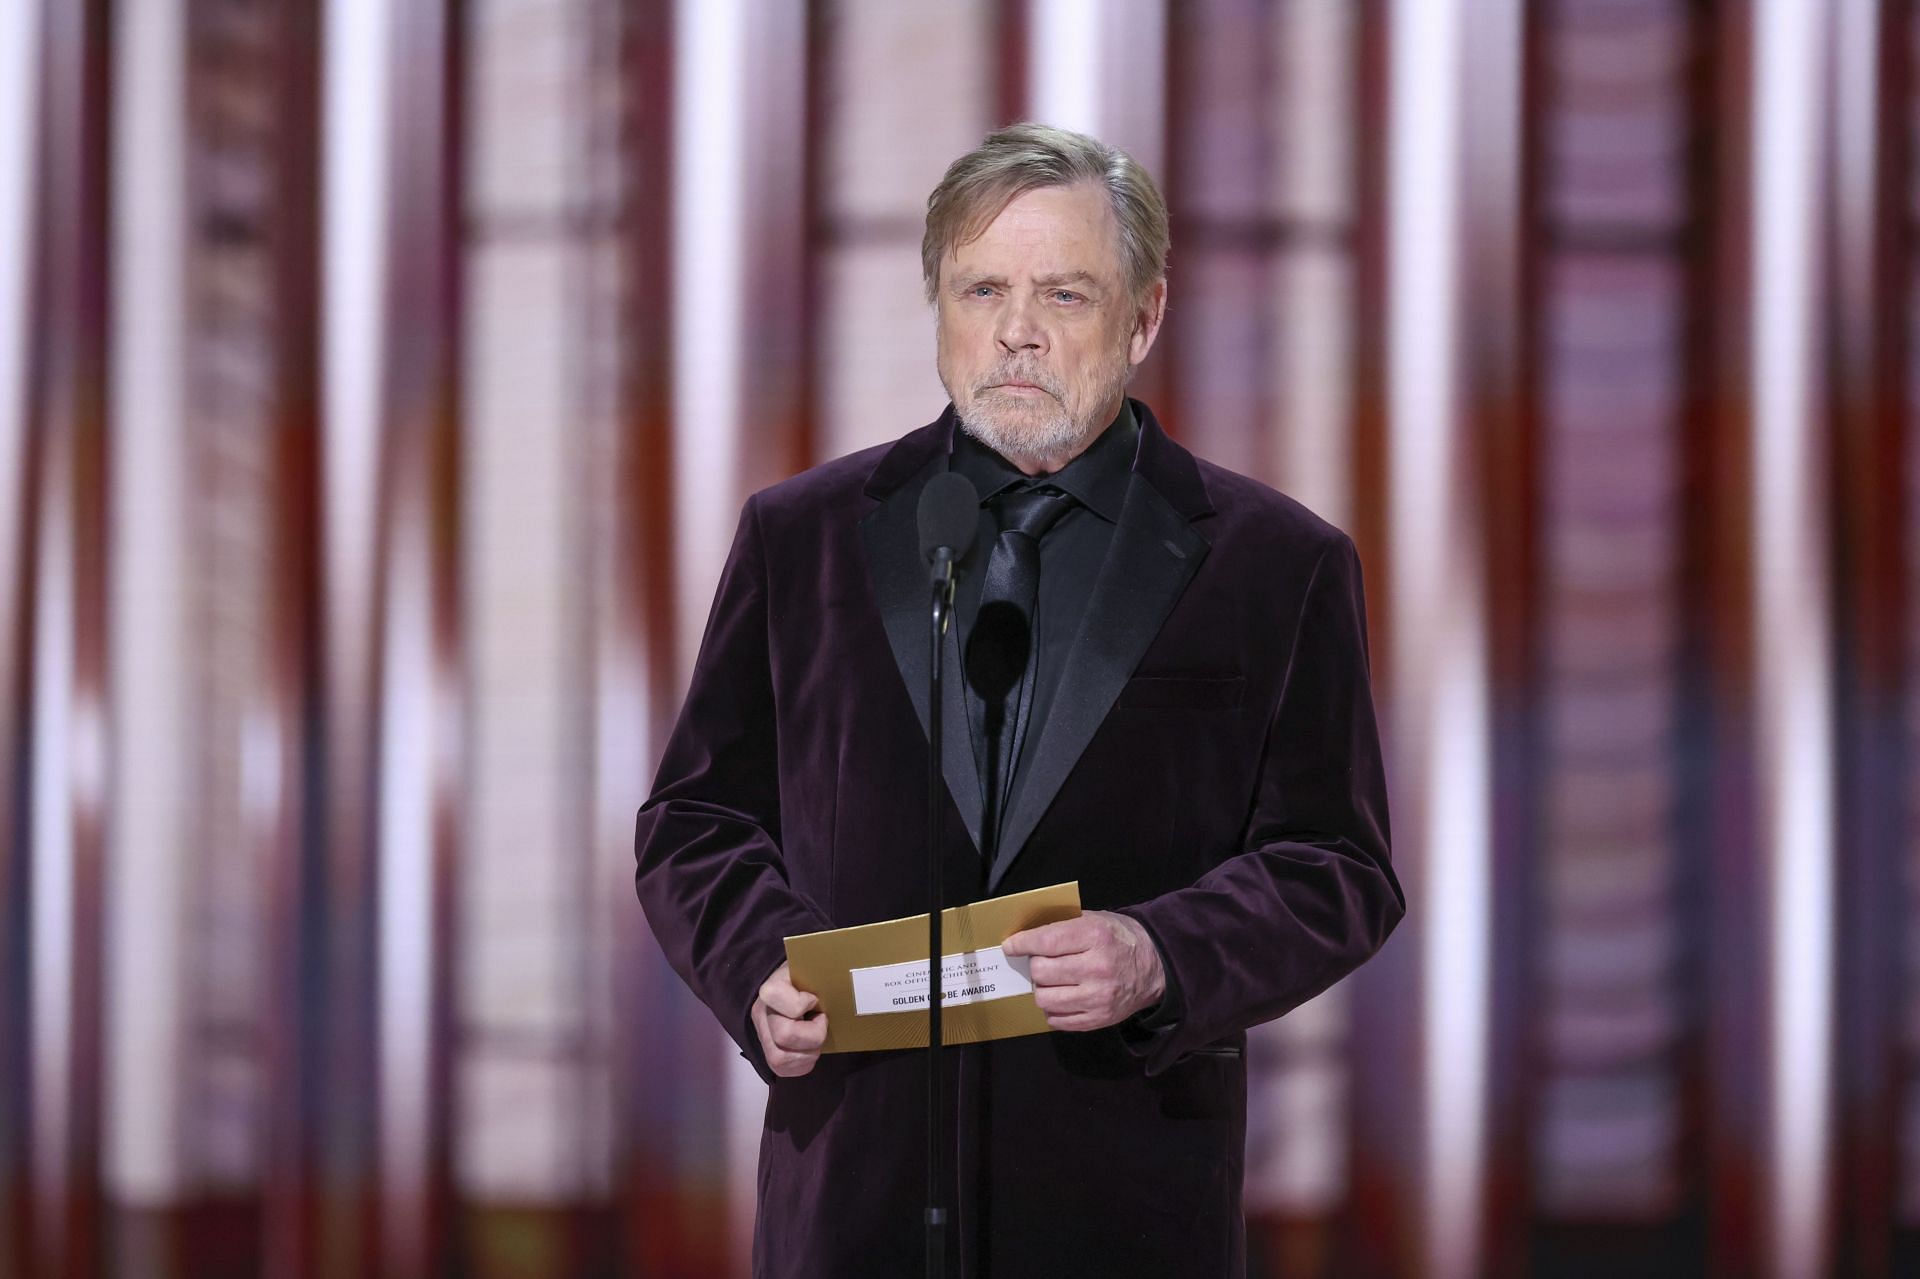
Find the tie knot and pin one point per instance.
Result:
(1031, 510)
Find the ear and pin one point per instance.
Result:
(1151, 309)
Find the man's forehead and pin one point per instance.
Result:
(1072, 227)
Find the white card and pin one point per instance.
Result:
(972, 977)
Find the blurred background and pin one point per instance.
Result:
(379, 383)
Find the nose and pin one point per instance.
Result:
(1020, 328)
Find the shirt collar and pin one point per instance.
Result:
(1097, 478)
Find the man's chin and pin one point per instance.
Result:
(1017, 437)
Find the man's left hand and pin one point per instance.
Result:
(1094, 971)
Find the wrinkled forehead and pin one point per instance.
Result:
(1052, 230)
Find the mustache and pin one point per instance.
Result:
(1020, 373)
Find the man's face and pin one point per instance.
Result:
(1036, 328)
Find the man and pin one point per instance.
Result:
(1164, 696)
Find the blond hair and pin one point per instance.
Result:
(1028, 157)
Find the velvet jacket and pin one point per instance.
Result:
(1210, 767)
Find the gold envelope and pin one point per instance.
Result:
(823, 964)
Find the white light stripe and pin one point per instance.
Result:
(1063, 63)
(356, 152)
(408, 741)
(1793, 713)
(710, 146)
(151, 658)
(1439, 657)
(709, 371)
(619, 711)
(353, 283)
(19, 95)
(50, 897)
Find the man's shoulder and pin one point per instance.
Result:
(1245, 508)
(843, 481)
(827, 486)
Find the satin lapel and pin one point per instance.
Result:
(891, 536)
(1152, 558)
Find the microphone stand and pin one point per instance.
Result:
(936, 878)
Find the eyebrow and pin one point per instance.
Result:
(1066, 277)
(1042, 281)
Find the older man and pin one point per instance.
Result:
(1165, 697)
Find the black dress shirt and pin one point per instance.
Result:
(1070, 554)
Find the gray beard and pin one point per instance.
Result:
(1048, 437)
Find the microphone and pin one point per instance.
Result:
(949, 519)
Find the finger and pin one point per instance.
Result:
(1078, 1022)
(792, 1036)
(1060, 1000)
(780, 994)
(1046, 970)
(1067, 937)
(768, 1048)
(1078, 969)
(785, 1064)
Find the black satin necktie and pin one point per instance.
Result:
(1000, 651)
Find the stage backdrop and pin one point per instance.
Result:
(379, 384)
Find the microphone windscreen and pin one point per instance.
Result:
(949, 514)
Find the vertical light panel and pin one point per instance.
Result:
(19, 100)
(1607, 1054)
(1794, 712)
(1064, 63)
(711, 96)
(1869, 163)
(1099, 67)
(356, 154)
(1317, 68)
(776, 394)
(421, 738)
(1258, 376)
(355, 93)
(1438, 650)
(1488, 674)
(529, 890)
(67, 716)
(712, 115)
(637, 687)
(414, 731)
(151, 636)
(613, 727)
(50, 953)
(876, 376)
(354, 96)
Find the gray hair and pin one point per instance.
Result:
(1028, 157)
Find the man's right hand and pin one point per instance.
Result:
(791, 1033)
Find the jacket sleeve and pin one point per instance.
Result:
(708, 868)
(1312, 893)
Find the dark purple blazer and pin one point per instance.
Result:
(1211, 767)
